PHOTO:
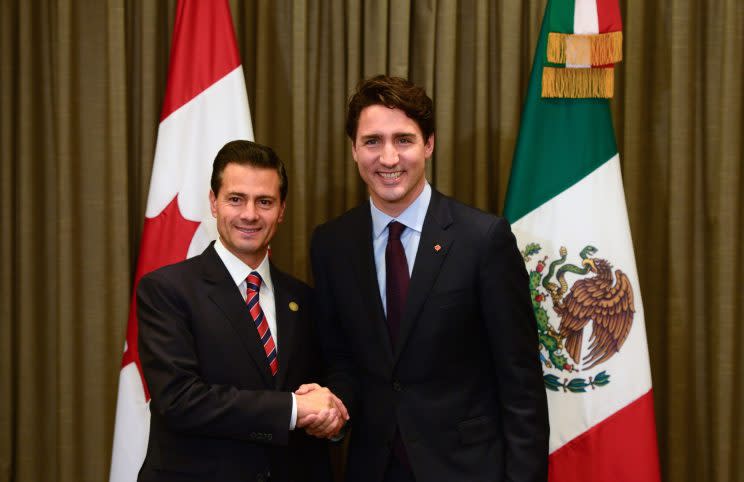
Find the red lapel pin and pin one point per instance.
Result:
(437, 247)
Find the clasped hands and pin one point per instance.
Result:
(320, 412)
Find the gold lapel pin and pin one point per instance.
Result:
(437, 247)
(293, 306)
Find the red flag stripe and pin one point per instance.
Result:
(203, 51)
(608, 16)
(621, 447)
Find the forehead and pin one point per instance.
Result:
(246, 179)
(379, 119)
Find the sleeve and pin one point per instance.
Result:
(512, 329)
(179, 395)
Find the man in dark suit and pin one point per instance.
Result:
(225, 337)
(425, 316)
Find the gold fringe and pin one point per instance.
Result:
(578, 83)
(606, 48)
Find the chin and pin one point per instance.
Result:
(393, 197)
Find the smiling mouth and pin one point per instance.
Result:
(247, 231)
(390, 176)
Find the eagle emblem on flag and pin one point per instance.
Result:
(597, 306)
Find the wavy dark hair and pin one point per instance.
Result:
(393, 92)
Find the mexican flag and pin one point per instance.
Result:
(567, 208)
(205, 106)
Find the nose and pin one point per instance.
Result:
(389, 155)
(249, 213)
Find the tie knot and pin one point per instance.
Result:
(253, 282)
(395, 229)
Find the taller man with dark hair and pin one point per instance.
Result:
(425, 316)
(225, 337)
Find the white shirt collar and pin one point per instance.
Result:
(413, 216)
(239, 271)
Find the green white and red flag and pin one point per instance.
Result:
(205, 106)
(567, 208)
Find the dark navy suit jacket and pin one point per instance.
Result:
(463, 384)
(217, 413)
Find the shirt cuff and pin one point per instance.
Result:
(293, 417)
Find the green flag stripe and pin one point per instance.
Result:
(560, 140)
(561, 17)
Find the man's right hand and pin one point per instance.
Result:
(319, 411)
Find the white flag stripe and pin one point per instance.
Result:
(592, 212)
(188, 140)
(586, 19)
(132, 424)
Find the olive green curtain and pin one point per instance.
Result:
(81, 84)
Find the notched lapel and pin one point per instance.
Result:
(434, 245)
(363, 261)
(286, 325)
(224, 294)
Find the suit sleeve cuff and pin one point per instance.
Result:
(293, 417)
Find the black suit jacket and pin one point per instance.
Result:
(216, 411)
(463, 383)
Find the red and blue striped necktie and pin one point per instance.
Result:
(253, 285)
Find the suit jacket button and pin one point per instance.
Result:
(397, 387)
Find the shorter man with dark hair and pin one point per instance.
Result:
(425, 315)
(225, 338)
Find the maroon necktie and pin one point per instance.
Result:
(396, 279)
(253, 286)
(396, 286)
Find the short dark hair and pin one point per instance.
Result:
(247, 153)
(393, 92)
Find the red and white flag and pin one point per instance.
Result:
(205, 106)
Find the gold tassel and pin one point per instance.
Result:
(605, 48)
(578, 83)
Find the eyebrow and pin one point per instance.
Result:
(259, 196)
(395, 134)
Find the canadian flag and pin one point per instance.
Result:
(205, 106)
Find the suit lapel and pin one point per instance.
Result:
(286, 324)
(363, 261)
(226, 296)
(433, 247)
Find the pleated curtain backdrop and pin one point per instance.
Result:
(81, 84)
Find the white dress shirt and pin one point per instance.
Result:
(413, 218)
(239, 271)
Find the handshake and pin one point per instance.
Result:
(320, 412)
